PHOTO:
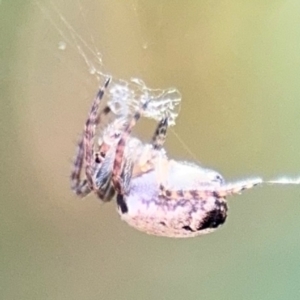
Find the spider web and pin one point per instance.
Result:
(124, 96)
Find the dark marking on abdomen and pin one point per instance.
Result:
(186, 227)
(215, 217)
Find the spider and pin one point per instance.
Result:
(154, 194)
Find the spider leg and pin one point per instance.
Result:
(160, 133)
(118, 173)
(123, 184)
(79, 186)
(158, 141)
(145, 162)
(126, 175)
(218, 192)
(89, 132)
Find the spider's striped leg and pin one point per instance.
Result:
(158, 140)
(204, 193)
(119, 167)
(79, 186)
(160, 133)
(89, 133)
(145, 162)
(122, 183)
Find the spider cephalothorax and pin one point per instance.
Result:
(154, 194)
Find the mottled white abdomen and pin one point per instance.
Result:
(144, 208)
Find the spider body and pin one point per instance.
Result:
(147, 210)
(153, 193)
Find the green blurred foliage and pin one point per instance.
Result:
(237, 66)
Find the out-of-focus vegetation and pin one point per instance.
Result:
(237, 66)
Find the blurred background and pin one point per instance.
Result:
(237, 65)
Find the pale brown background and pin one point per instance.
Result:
(237, 65)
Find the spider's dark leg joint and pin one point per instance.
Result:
(108, 80)
(100, 93)
(102, 89)
(122, 204)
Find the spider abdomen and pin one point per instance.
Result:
(148, 211)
